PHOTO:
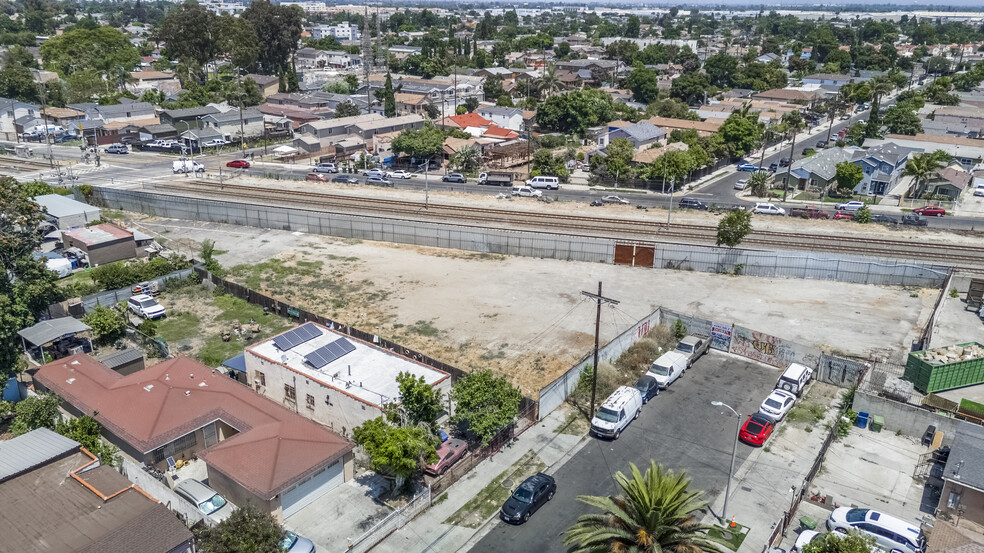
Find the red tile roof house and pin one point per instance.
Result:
(255, 450)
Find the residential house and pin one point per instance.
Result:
(641, 134)
(275, 114)
(768, 58)
(255, 450)
(818, 171)
(411, 104)
(792, 96)
(269, 84)
(882, 167)
(155, 131)
(126, 111)
(230, 124)
(963, 476)
(329, 131)
(650, 155)
(184, 119)
(65, 212)
(505, 117)
(12, 111)
(335, 380)
(161, 81)
(965, 121)
(58, 498)
(401, 52)
(102, 243)
(968, 152)
(828, 78)
(950, 182)
(66, 117)
(367, 129)
(311, 58)
(706, 127)
(341, 31)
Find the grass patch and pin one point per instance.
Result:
(215, 351)
(490, 499)
(440, 499)
(178, 326)
(273, 270)
(234, 308)
(423, 328)
(575, 424)
(219, 252)
(737, 535)
(81, 277)
(807, 412)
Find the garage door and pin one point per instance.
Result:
(307, 491)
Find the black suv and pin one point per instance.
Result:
(692, 203)
(527, 498)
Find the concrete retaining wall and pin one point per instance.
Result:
(909, 419)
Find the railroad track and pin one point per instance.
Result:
(604, 227)
(19, 165)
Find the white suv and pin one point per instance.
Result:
(890, 533)
(768, 209)
(145, 306)
(526, 192)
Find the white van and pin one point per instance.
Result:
(668, 368)
(186, 166)
(794, 379)
(549, 183)
(621, 408)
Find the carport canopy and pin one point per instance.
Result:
(49, 331)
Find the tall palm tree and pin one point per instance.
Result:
(880, 86)
(653, 513)
(923, 167)
(548, 82)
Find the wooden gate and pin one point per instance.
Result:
(636, 255)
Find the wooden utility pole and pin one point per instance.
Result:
(594, 374)
(789, 168)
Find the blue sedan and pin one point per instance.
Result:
(748, 167)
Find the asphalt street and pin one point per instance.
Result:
(679, 429)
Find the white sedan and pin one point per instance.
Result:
(741, 184)
(777, 404)
(614, 200)
(401, 174)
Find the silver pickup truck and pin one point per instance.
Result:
(693, 347)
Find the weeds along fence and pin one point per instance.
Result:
(111, 297)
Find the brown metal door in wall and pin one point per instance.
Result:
(624, 253)
(644, 256)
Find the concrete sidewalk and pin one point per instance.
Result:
(429, 531)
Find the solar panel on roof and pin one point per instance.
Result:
(326, 354)
(293, 338)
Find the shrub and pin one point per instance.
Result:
(608, 380)
(106, 323)
(679, 329)
(149, 327)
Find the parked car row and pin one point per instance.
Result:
(759, 426)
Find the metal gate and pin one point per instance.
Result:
(635, 255)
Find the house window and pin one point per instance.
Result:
(260, 378)
(953, 501)
(290, 393)
(310, 401)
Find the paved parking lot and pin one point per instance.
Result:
(341, 515)
(679, 429)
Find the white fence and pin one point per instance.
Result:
(393, 522)
(159, 491)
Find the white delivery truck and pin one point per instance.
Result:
(187, 166)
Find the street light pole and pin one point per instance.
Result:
(734, 452)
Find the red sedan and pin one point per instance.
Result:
(843, 215)
(318, 177)
(447, 454)
(756, 430)
(930, 211)
(238, 164)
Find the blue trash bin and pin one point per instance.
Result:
(862, 421)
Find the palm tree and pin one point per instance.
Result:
(548, 82)
(467, 159)
(880, 86)
(923, 167)
(653, 513)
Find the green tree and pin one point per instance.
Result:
(346, 109)
(721, 69)
(573, 112)
(741, 132)
(485, 404)
(35, 412)
(471, 104)
(644, 83)
(420, 401)
(937, 65)
(237, 39)
(85, 430)
(492, 88)
(863, 215)
(653, 512)
(923, 167)
(394, 450)
(191, 32)
(733, 228)
(26, 286)
(618, 156)
(760, 184)
(103, 50)
(632, 27)
(106, 323)
(278, 29)
(899, 119)
(467, 159)
(387, 95)
(35, 188)
(419, 143)
(248, 529)
(833, 542)
(548, 83)
(847, 176)
(879, 87)
(353, 83)
(690, 87)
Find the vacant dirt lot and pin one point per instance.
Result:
(526, 318)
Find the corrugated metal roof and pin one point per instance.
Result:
(46, 331)
(31, 450)
(57, 205)
(122, 357)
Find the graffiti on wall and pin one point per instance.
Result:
(770, 350)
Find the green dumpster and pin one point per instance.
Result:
(808, 523)
(877, 423)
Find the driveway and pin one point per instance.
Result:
(341, 515)
(679, 429)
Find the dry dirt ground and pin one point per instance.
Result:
(526, 318)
